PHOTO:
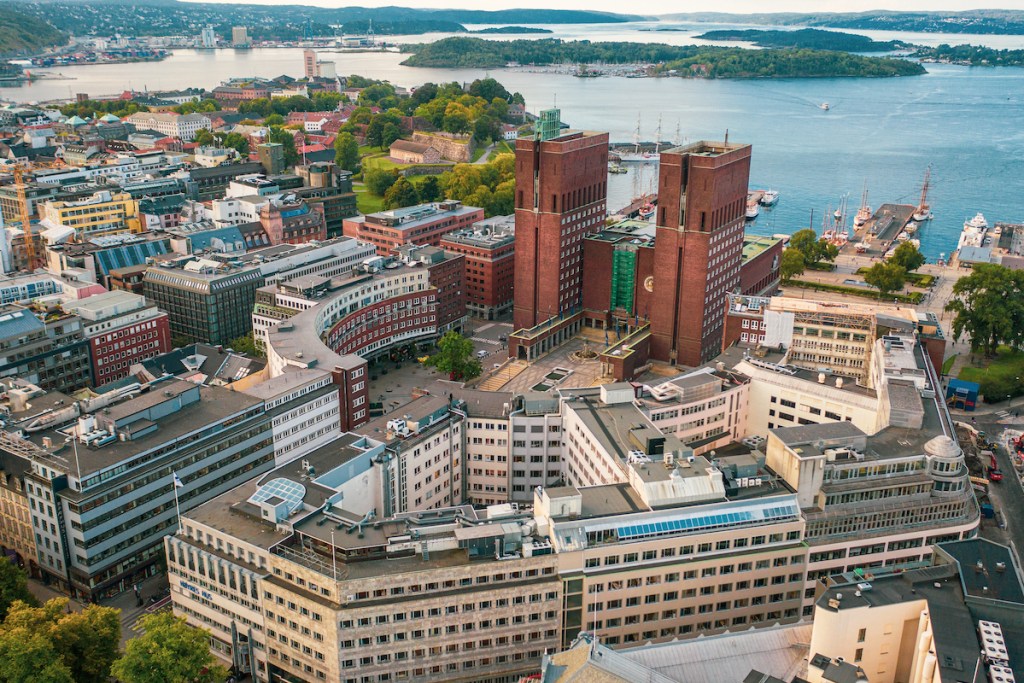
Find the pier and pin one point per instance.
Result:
(632, 210)
(880, 232)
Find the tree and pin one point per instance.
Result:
(69, 646)
(814, 250)
(13, 586)
(169, 651)
(456, 122)
(886, 277)
(246, 345)
(792, 264)
(375, 132)
(238, 142)
(204, 138)
(378, 181)
(274, 120)
(430, 189)
(287, 141)
(908, 257)
(486, 129)
(989, 306)
(455, 357)
(402, 193)
(390, 134)
(346, 152)
(489, 89)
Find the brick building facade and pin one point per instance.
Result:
(702, 192)
(489, 248)
(561, 191)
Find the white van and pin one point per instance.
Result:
(481, 354)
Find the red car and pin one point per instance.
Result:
(994, 474)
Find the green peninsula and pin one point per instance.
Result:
(688, 61)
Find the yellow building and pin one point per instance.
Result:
(102, 214)
(15, 518)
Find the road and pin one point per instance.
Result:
(1008, 494)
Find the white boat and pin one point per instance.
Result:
(974, 232)
(824, 106)
(916, 243)
(922, 216)
(911, 228)
(902, 237)
(752, 211)
(864, 212)
(769, 198)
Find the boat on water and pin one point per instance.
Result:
(974, 233)
(616, 168)
(638, 155)
(646, 211)
(911, 228)
(864, 212)
(769, 198)
(753, 209)
(923, 212)
(824, 106)
(902, 237)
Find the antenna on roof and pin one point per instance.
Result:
(726, 137)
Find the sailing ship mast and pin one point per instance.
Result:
(923, 211)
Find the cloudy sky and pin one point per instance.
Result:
(670, 6)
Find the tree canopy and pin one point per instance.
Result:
(886, 277)
(401, 193)
(49, 644)
(346, 152)
(814, 249)
(455, 357)
(379, 180)
(989, 306)
(791, 265)
(13, 586)
(908, 257)
(170, 651)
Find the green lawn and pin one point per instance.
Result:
(504, 148)
(382, 161)
(999, 377)
(947, 364)
(366, 201)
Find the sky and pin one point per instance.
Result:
(650, 7)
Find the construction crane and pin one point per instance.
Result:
(26, 218)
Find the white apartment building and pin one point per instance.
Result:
(182, 126)
(304, 405)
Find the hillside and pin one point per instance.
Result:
(677, 60)
(277, 22)
(811, 38)
(984, 21)
(22, 33)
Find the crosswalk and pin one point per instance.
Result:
(482, 340)
(1002, 414)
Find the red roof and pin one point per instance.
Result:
(309, 149)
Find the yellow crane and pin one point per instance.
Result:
(26, 218)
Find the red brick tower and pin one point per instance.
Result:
(561, 190)
(702, 193)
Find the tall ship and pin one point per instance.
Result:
(923, 212)
(864, 212)
(637, 156)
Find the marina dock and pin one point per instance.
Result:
(633, 208)
(881, 231)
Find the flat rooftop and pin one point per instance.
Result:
(755, 245)
(215, 404)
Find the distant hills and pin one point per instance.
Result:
(810, 38)
(985, 21)
(279, 22)
(22, 33)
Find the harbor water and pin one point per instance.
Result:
(964, 122)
